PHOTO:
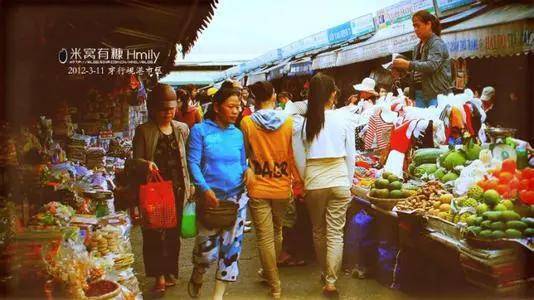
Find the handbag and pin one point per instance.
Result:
(189, 220)
(223, 216)
(157, 203)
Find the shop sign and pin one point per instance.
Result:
(300, 68)
(503, 39)
(445, 5)
(340, 33)
(362, 26)
(314, 41)
(401, 12)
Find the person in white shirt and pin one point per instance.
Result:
(328, 141)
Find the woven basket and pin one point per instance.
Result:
(110, 295)
(384, 203)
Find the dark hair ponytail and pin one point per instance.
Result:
(262, 91)
(227, 90)
(426, 17)
(321, 88)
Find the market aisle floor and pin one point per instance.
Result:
(297, 282)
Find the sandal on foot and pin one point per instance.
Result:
(330, 292)
(170, 281)
(292, 262)
(193, 288)
(158, 289)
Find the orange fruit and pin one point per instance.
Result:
(502, 189)
(492, 184)
(505, 177)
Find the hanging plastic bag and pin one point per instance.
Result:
(189, 220)
(156, 200)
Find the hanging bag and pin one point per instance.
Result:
(157, 203)
(223, 216)
(189, 220)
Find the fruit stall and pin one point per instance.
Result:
(465, 206)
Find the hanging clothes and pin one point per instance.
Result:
(401, 138)
(378, 133)
(468, 121)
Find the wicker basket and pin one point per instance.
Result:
(384, 203)
(111, 295)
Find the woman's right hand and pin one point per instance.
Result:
(152, 168)
(210, 198)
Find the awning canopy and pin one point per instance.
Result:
(324, 60)
(376, 47)
(177, 78)
(278, 70)
(256, 77)
(506, 30)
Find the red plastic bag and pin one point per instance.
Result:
(157, 203)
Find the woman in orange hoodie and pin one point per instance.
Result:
(268, 133)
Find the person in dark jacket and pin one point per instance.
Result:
(430, 65)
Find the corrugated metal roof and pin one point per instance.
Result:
(501, 15)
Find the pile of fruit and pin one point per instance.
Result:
(510, 182)
(424, 164)
(431, 198)
(435, 164)
(389, 187)
(496, 217)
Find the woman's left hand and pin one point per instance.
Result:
(249, 176)
(192, 191)
(402, 64)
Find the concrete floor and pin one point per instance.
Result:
(297, 282)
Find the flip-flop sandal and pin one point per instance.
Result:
(158, 289)
(193, 288)
(291, 262)
(331, 294)
(170, 283)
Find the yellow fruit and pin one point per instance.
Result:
(436, 204)
(446, 198)
(444, 207)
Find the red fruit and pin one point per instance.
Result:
(527, 173)
(496, 173)
(523, 184)
(513, 194)
(505, 177)
(484, 183)
(531, 184)
(527, 197)
(502, 189)
(514, 183)
(492, 184)
(509, 165)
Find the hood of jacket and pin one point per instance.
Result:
(269, 119)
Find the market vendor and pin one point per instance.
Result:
(159, 147)
(430, 65)
(487, 98)
(364, 91)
